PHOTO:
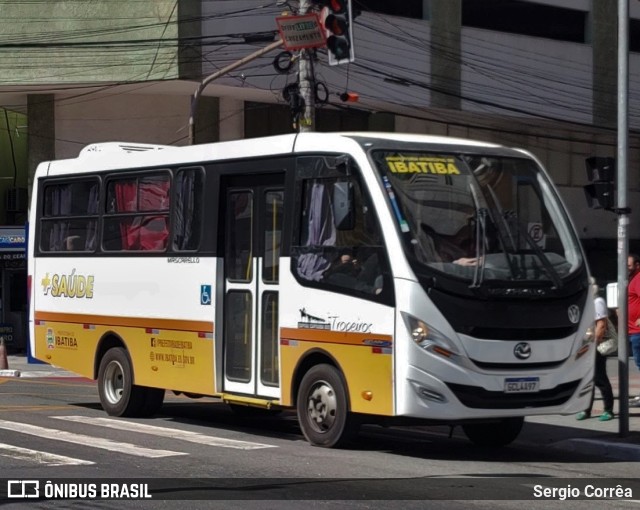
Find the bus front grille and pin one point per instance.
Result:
(544, 365)
(529, 334)
(479, 398)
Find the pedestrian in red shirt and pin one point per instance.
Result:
(633, 264)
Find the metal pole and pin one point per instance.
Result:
(623, 215)
(221, 72)
(306, 121)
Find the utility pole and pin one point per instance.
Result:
(306, 121)
(218, 74)
(623, 215)
(308, 31)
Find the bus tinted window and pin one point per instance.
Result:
(69, 219)
(239, 249)
(137, 213)
(345, 255)
(479, 217)
(274, 216)
(188, 184)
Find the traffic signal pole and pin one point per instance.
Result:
(623, 216)
(339, 48)
(218, 74)
(306, 121)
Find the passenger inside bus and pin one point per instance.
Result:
(444, 248)
(340, 256)
(73, 243)
(347, 271)
(344, 265)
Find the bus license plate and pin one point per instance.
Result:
(521, 384)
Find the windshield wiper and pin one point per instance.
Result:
(513, 266)
(481, 249)
(480, 233)
(513, 270)
(547, 266)
(511, 216)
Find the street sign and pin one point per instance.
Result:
(303, 31)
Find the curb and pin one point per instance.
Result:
(601, 448)
(9, 373)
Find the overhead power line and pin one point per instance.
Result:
(500, 83)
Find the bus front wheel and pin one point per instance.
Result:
(494, 434)
(118, 395)
(323, 411)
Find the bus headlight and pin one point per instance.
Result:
(587, 340)
(428, 337)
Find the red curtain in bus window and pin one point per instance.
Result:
(154, 233)
(127, 201)
(144, 195)
(126, 196)
(154, 196)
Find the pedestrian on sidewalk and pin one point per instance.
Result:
(633, 299)
(600, 377)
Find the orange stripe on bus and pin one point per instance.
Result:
(334, 337)
(136, 322)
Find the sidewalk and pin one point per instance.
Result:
(19, 366)
(562, 432)
(592, 436)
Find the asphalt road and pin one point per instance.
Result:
(201, 452)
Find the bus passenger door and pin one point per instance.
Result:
(252, 233)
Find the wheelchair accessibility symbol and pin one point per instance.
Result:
(205, 294)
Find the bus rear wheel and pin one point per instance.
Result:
(323, 411)
(118, 395)
(494, 434)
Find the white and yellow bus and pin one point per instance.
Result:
(357, 277)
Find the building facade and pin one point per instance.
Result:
(538, 74)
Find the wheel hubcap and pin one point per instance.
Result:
(114, 382)
(322, 406)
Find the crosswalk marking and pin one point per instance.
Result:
(184, 435)
(94, 442)
(50, 459)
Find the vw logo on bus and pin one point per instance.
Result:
(574, 314)
(522, 350)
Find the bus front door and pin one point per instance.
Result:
(252, 233)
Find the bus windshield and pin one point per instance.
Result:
(479, 218)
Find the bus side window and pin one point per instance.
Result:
(70, 216)
(111, 239)
(317, 230)
(137, 213)
(74, 243)
(187, 212)
(344, 260)
(154, 233)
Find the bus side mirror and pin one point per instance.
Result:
(343, 213)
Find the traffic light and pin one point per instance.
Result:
(338, 29)
(601, 172)
(349, 97)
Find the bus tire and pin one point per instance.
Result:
(495, 434)
(323, 410)
(118, 395)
